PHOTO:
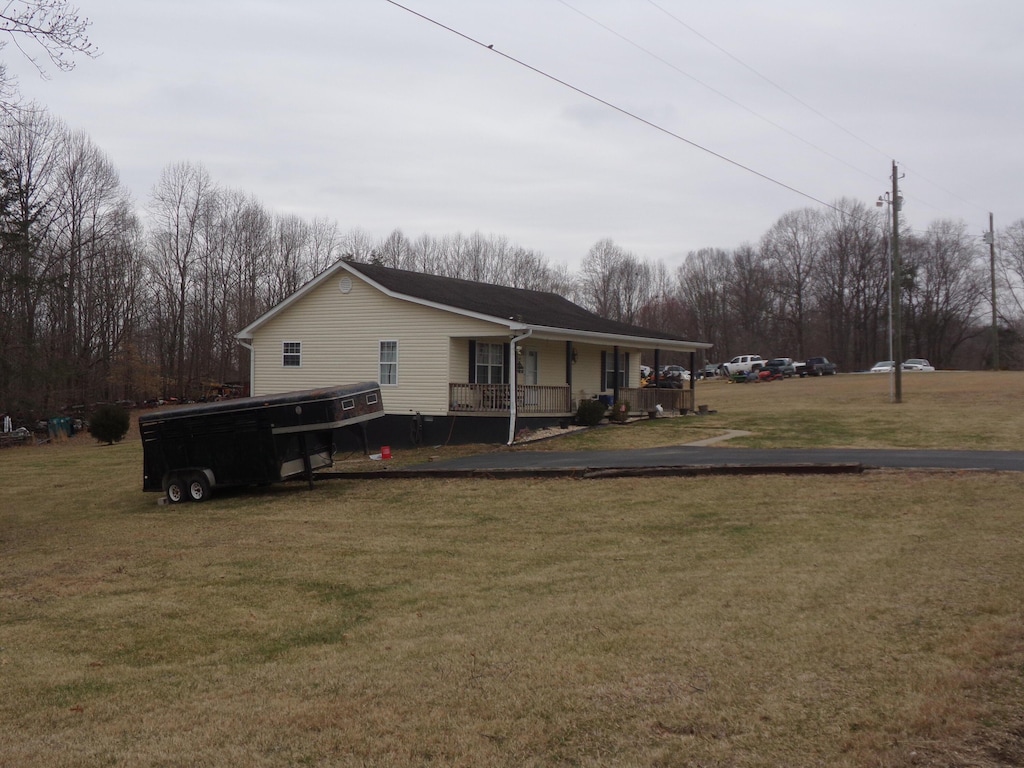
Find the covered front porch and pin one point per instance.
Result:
(557, 401)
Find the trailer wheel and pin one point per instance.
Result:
(176, 490)
(198, 487)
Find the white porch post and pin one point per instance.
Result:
(512, 380)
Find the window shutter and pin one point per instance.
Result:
(472, 361)
(625, 373)
(604, 370)
(505, 365)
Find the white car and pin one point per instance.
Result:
(917, 364)
(675, 372)
(885, 366)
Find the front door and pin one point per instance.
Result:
(530, 377)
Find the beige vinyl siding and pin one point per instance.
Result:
(340, 335)
(587, 377)
(550, 361)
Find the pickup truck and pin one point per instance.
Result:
(743, 364)
(817, 366)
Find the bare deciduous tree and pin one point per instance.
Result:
(792, 247)
(179, 202)
(851, 284)
(705, 279)
(944, 289)
(50, 29)
(615, 283)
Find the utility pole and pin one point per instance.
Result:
(897, 288)
(990, 238)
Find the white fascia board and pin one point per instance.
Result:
(594, 337)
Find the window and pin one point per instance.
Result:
(292, 354)
(389, 363)
(608, 380)
(490, 363)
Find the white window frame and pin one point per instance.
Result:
(490, 359)
(392, 364)
(608, 376)
(291, 350)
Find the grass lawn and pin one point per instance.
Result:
(870, 620)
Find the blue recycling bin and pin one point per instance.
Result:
(59, 427)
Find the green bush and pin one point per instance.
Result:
(590, 412)
(109, 423)
(620, 411)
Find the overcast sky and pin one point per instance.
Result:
(368, 115)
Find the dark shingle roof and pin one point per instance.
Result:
(537, 308)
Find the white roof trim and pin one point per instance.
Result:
(594, 336)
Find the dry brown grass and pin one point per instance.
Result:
(946, 409)
(776, 621)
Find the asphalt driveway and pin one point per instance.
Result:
(750, 459)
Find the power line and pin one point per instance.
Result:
(714, 90)
(770, 82)
(620, 110)
(809, 107)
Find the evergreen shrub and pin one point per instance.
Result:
(590, 412)
(109, 424)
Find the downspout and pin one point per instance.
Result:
(252, 362)
(512, 375)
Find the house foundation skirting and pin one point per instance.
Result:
(409, 431)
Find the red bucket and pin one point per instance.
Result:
(385, 452)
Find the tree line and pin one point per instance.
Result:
(101, 300)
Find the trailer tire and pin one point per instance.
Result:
(176, 490)
(198, 487)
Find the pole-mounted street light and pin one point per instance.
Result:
(895, 203)
(990, 238)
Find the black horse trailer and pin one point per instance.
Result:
(190, 450)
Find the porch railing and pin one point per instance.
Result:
(644, 400)
(493, 398)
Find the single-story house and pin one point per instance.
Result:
(448, 353)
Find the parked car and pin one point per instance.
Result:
(783, 365)
(675, 372)
(883, 366)
(709, 371)
(669, 377)
(917, 364)
(818, 366)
